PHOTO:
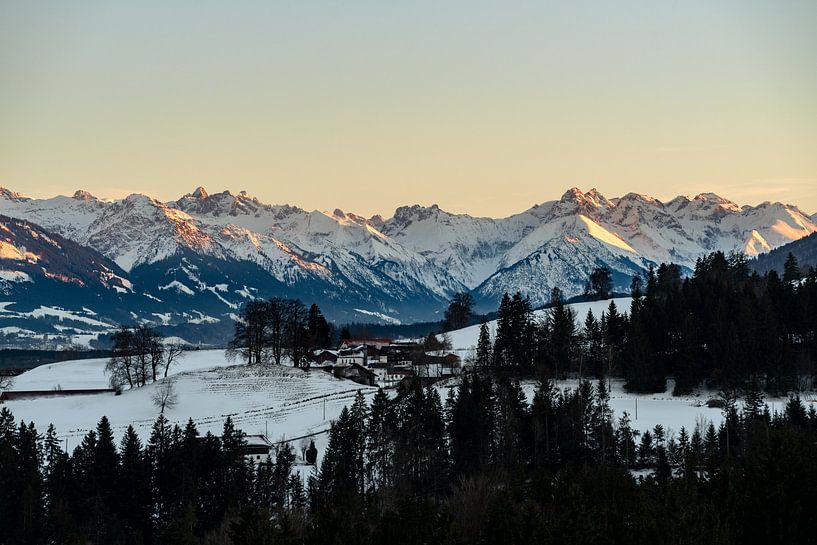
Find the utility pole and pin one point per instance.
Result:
(636, 408)
(324, 408)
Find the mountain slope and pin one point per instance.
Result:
(804, 249)
(194, 261)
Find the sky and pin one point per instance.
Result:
(483, 107)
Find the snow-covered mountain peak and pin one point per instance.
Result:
(573, 202)
(640, 198)
(713, 200)
(574, 194)
(419, 256)
(82, 195)
(405, 215)
(595, 196)
(10, 195)
(199, 193)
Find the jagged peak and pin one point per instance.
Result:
(639, 197)
(198, 193)
(135, 198)
(715, 200)
(82, 195)
(574, 194)
(11, 195)
(596, 196)
(415, 212)
(711, 197)
(591, 199)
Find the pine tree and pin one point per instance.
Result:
(791, 269)
(359, 416)
(134, 492)
(646, 450)
(484, 348)
(380, 435)
(561, 325)
(503, 344)
(280, 477)
(640, 368)
(711, 451)
(625, 441)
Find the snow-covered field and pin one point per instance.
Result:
(282, 401)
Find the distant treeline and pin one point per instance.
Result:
(362, 330)
(483, 466)
(27, 359)
(724, 325)
(804, 251)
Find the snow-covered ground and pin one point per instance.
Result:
(278, 400)
(283, 402)
(90, 373)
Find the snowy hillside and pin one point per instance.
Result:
(288, 402)
(197, 259)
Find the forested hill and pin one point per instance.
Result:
(805, 250)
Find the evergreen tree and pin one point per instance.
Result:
(791, 269)
(561, 325)
(459, 311)
(503, 344)
(484, 348)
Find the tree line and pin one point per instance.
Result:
(139, 356)
(482, 466)
(724, 326)
(269, 330)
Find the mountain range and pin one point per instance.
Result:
(74, 266)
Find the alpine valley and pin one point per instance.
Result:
(74, 267)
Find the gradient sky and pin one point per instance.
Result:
(481, 107)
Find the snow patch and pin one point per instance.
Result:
(14, 276)
(177, 286)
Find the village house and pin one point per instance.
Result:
(385, 363)
(257, 448)
(375, 342)
(356, 373)
(350, 356)
(324, 356)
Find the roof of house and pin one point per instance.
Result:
(257, 441)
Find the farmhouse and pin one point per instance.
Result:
(257, 448)
(354, 372)
(377, 343)
(323, 356)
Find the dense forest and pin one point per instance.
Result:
(724, 325)
(482, 466)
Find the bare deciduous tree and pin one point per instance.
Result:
(165, 396)
(138, 357)
(269, 330)
(173, 353)
(303, 445)
(5, 382)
